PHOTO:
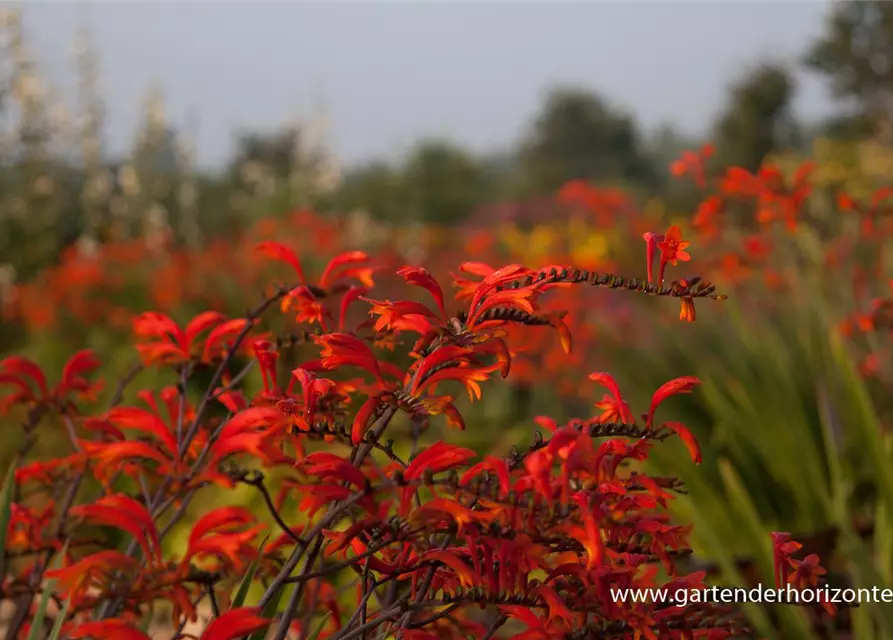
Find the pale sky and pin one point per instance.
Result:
(389, 73)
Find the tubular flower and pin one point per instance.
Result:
(421, 278)
(613, 407)
(652, 240)
(340, 349)
(687, 302)
(161, 341)
(308, 310)
(672, 249)
(401, 316)
(31, 384)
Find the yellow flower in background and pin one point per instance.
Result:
(543, 241)
(512, 237)
(587, 244)
(590, 248)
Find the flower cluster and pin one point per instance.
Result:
(357, 536)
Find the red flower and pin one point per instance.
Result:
(163, 342)
(342, 349)
(127, 514)
(652, 240)
(235, 623)
(684, 384)
(108, 630)
(308, 310)
(672, 249)
(421, 278)
(29, 379)
(613, 407)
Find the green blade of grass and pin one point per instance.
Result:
(40, 614)
(245, 585)
(60, 620)
(269, 611)
(6, 513)
(319, 627)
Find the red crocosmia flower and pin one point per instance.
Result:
(418, 634)
(467, 287)
(497, 465)
(687, 309)
(112, 629)
(613, 407)
(421, 278)
(672, 249)
(361, 420)
(162, 341)
(31, 383)
(691, 443)
(868, 213)
(684, 384)
(235, 623)
(307, 309)
(324, 465)
(401, 316)
(438, 405)
(687, 303)
(146, 422)
(705, 216)
(451, 511)
(312, 389)
(267, 357)
(96, 568)
(558, 610)
(438, 457)
(452, 363)
(782, 549)
(278, 251)
(757, 247)
(806, 572)
(216, 344)
(246, 432)
(342, 349)
(589, 535)
(487, 296)
(126, 514)
(450, 558)
(693, 163)
(845, 202)
(651, 242)
(225, 533)
(351, 264)
(740, 182)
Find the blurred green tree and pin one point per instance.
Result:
(444, 183)
(579, 135)
(377, 188)
(855, 53)
(757, 119)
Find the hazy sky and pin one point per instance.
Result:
(390, 72)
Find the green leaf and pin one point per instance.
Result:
(60, 620)
(40, 614)
(269, 611)
(245, 585)
(319, 627)
(6, 513)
